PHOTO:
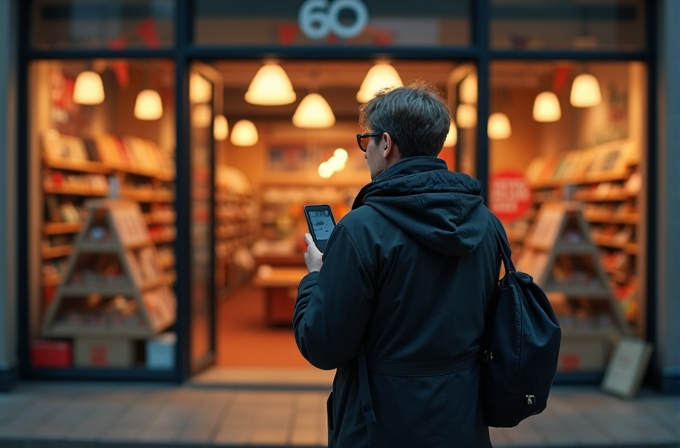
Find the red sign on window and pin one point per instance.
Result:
(509, 195)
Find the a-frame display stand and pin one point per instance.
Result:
(562, 258)
(113, 286)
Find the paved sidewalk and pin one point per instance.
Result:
(56, 415)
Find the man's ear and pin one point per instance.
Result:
(387, 145)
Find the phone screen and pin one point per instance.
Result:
(321, 224)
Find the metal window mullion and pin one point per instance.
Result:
(481, 24)
(182, 192)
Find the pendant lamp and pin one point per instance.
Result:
(381, 75)
(201, 116)
(270, 87)
(313, 113)
(499, 126)
(547, 107)
(244, 133)
(200, 89)
(148, 105)
(452, 136)
(585, 91)
(88, 88)
(466, 116)
(220, 127)
(468, 89)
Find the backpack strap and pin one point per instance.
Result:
(503, 245)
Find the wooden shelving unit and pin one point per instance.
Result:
(236, 229)
(562, 258)
(607, 180)
(112, 285)
(142, 173)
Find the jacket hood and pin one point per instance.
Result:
(439, 208)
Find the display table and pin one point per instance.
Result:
(280, 286)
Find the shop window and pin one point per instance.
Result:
(102, 218)
(105, 24)
(357, 23)
(567, 162)
(613, 25)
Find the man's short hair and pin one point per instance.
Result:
(415, 115)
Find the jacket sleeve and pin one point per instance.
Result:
(333, 305)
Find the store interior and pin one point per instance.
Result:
(561, 171)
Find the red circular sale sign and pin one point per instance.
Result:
(509, 194)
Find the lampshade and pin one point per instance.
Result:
(381, 75)
(313, 113)
(466, 116)
(88, 88)
(220, 127)
(585, 91)
(547, 107)
(201, 116)
(244, 133)
(270, 87)
(468, 89)
(148, 105)
(200, 89)
(452, 136)
(499, 126)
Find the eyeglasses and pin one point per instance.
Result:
(364, 139)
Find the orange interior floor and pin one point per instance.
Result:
(245, 339)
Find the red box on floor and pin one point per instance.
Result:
(46, 353)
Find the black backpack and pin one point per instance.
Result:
(521, 346)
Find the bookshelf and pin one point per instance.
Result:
(112, 285)
(76, 169)
(559, 253)
(606, 179)
(236, 229)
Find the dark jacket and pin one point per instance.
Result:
(408, 272)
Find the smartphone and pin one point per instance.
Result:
(321, 224)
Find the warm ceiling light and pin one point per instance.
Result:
(452, 136)
(336, 163)
(326, 170)
(468, 89)
(341, 154)
(244, 133)
(381, 75)
(499, 126)
(466, 116)
(313, 113)
(270, 87)
(148, 105)
(585, 91)
(88, 89)
(220, 127)
(547, 107)
(200, 89)
(201, 116)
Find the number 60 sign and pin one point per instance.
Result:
(318, 18)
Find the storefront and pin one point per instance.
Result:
(159, 183)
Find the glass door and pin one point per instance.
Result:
(202, 103)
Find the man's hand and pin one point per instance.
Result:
(312, 256)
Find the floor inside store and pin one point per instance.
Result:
(252, 354)
(245, 339)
